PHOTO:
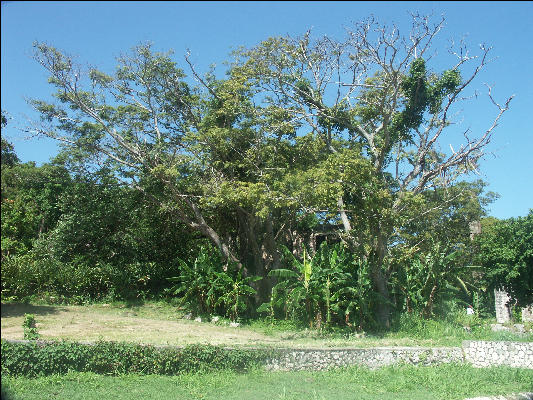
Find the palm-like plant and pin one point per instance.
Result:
(232, 292)
(196, 281)
(293, 291)
(205, 287)
(346, 284)
(430, 275)
(330, 283)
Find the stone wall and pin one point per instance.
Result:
(486, 354)
(319, 359)
(477, 353)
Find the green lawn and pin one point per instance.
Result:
(403, 382)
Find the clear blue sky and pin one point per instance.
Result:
(99, 31)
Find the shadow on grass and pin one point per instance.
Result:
(19, 309)
(6, 394)
(134, 303)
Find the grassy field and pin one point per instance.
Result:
(160, 323)
(446, 382)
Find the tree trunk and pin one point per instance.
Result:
(249, 250)
(272, 259)
(379, 279)
(199, 224)
(382, 307)
(258, 249)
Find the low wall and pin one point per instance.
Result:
(319, 359)
(476, 353)
(485, 354)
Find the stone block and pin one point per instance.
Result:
(501, 304)
(527, 314)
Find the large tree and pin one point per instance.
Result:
(300, 136)
(374, 102)
(192, 150)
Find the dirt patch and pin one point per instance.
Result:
(92, 323)
(160, 323)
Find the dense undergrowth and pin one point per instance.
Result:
(110, 358)
(327, 291)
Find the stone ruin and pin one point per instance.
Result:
(503, 308)
(527, 314)
(501, 297)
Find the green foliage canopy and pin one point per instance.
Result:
(300, 135)
(505, 250)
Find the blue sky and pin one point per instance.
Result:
(97, 32)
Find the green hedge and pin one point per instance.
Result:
(113, 358)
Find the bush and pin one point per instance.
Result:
(206, 288)
(505, 250)
(29, 275)
(30, 328)
(22, 276)
(112, 358)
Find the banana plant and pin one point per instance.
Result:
(329, 264)
(428, 276)
(294, 289)
(234, 293)
(196, 281)
(326, 284)
(352, 295)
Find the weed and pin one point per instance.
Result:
(30, 328)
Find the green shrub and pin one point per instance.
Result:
(30, 275)
(112, 358)
(22, 276)
(206, 287)
(6, 393)
(30, 328)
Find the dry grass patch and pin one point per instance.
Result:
(160, 323)
(145, 324)
(152, 324)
